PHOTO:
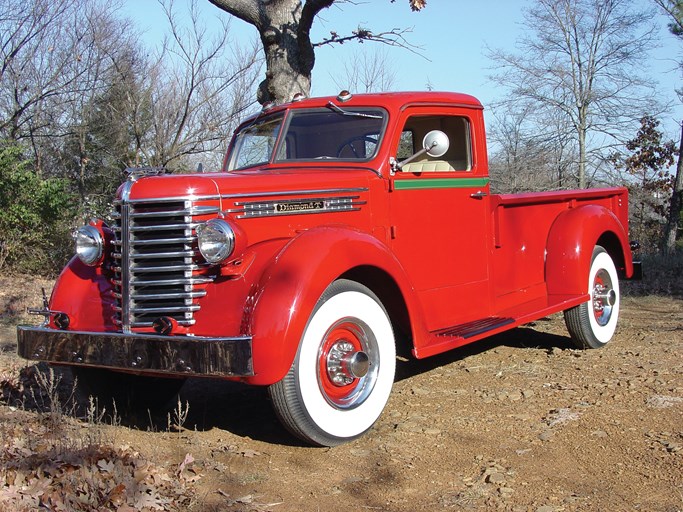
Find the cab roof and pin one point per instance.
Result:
(392, 101)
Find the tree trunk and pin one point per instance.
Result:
(284, 27)
(582, 159)
(676, 205)
(289, 54)
(581, 132)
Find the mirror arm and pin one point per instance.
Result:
(399, 165)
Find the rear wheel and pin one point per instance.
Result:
(592, 324)
(343, 372)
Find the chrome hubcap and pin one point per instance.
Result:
(344, 364)
(604, 297)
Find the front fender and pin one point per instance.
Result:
(290, 287)
(84, 294)
(570, 245)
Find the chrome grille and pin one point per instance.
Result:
(156, 268)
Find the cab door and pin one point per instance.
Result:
(439, 211)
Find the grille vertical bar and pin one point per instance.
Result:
(125, 264)
(123, 235)
(157, 272)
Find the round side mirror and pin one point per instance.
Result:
(436, 143)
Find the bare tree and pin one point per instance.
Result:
(510, 149)
(79, 92)
(284, 27)
(368, 71)
(57, 57)
(528, 151)
(674, 10)
(86, 141)
(40, 60)
(583, 58)
(201, 87)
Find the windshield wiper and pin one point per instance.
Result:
(343, 112)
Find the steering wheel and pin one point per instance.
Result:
(350, 143)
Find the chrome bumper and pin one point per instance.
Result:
(172, 355)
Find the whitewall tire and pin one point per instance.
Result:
(343, 372)
(593, 323)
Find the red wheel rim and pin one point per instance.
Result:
(604, 297)
(346, 337)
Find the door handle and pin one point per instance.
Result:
(478, 195)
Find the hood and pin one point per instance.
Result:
(239, 184)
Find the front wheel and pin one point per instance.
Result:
(592, 324)
(343, 371)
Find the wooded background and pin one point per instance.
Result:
(82, 99)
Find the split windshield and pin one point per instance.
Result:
(319, 134)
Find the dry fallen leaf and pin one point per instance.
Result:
(117, 496)
(189, 459)
(105, 465)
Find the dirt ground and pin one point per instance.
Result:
(518, 422)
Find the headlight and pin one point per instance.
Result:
(89, 245)
(216, 240)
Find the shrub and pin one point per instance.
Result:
(37, 216)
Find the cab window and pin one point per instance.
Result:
(459, 154)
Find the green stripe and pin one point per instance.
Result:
(440, 183)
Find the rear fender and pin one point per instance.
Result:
(290, 287)
(570, 245)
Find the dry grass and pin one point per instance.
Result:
(662, 275)
(59, 455)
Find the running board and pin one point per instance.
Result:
(475, 328)
(462, 334)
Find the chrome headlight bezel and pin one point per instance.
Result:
(89, 245)
(216, 240)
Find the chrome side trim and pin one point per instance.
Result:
(297, 192)
(191, 197)
(299, 206)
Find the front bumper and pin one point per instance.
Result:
(186, 356)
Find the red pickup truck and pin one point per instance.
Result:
(338, 231)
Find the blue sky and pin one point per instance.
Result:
(453, 34)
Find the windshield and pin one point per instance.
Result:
(254, 144)
(319, 134)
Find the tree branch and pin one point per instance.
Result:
(394, 37)
(310, 11)
(246, 10)
(674, 12)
